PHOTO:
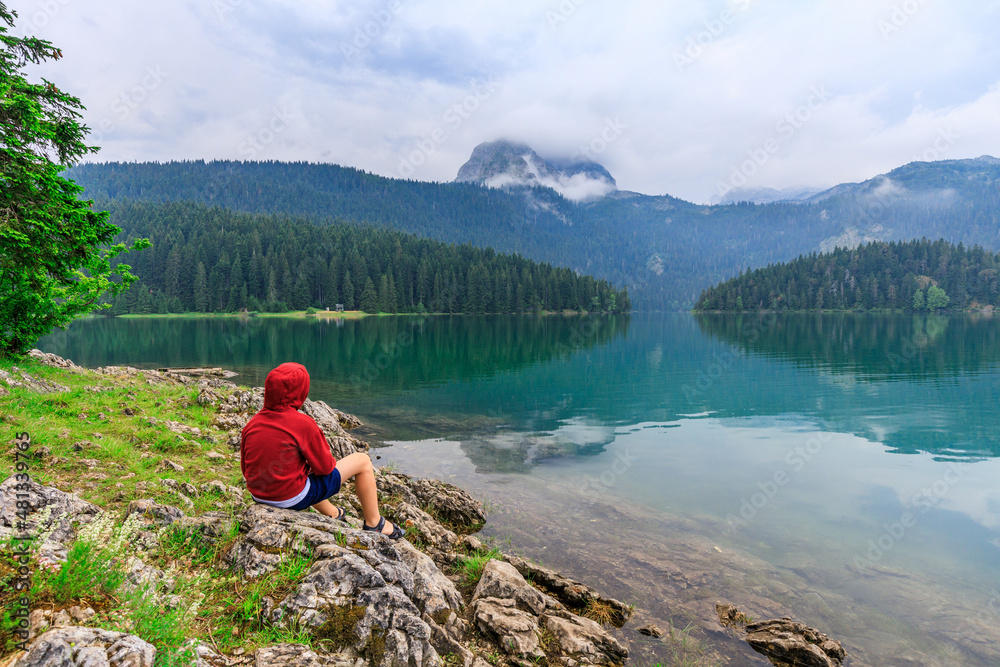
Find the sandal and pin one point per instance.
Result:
(394, 535)
(343, 513)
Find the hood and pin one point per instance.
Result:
(286, 387)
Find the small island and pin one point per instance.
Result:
(916, 276)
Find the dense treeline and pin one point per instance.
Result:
(914, 276)
(664, 249)
(211, 259)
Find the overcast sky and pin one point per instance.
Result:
(682, 98)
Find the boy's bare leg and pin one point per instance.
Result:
(359, 466)
(327, 508)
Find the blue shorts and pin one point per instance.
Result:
(321, 487)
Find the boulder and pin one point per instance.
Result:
(370, 597)
(300, 655)
(53, 360)
(786, 642)
(63, 510)
(583, 640)
(445, 502)
(153, 512)
(451, 504)
(572, 593)
(87, 647)
(218, 488)
(434, 593)
(142, 577)
(429, 532)
(326, 417)
(18, 379)
(501, 580)
(516, 631)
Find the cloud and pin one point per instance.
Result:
(229, 72)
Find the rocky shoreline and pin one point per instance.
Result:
(363, 599)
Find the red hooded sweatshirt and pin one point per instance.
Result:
(281, 446)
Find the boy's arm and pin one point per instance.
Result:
(317, 452)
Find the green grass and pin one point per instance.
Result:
(145, 614)
(127, 448)
(471, 566)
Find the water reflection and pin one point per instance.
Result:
(869, 347)
(519, 391)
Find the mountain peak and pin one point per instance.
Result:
(504, 164)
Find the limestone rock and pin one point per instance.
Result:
(211, 525)
(53, 360)
(118, 371)
(154, 512)
(80, 615)
(325, 416)
(730, 616)
(391, 484)
(433, 592)
(300, 655)
(38, 622)
(444, 501)
(180, 429)
(87, 647)
(329, 420)
(64, 510)
(139, 576)
(239, 406)
(218, 488)
(18, 379)
(363, 591)
(574, 594)
(786, 642)
(650, 630)
(429, 531)
(515, 630)
(501, 580)
(583, 640)
(450, 503)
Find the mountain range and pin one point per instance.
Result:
(572, 214)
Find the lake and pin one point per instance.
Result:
(841, 469)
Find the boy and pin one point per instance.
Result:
(287, 462)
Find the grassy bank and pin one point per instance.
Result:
(323, 314)
(99, 440)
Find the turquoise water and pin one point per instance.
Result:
(841, 469)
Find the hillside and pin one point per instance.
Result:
(212, 259)
(664, 249)
(914, 276)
